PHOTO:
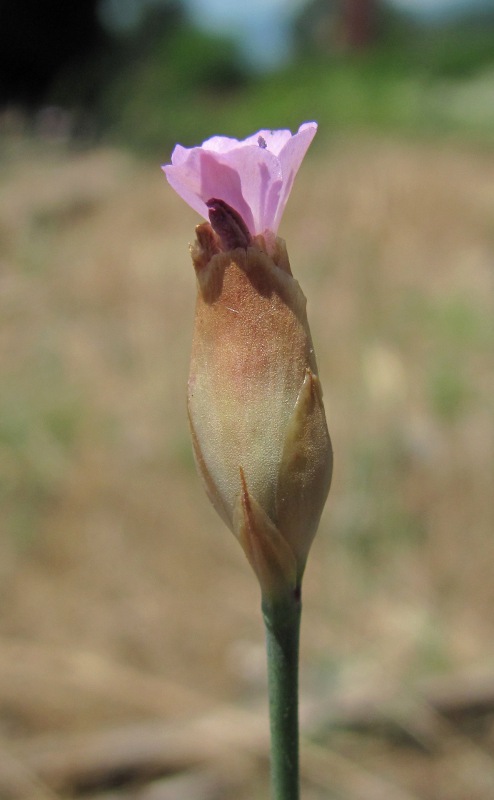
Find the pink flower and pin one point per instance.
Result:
(253, 176)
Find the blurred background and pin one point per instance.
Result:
(131, 641)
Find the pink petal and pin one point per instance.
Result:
(180, 155)
(221, 144)
(291, 157)
(183, 181)
(253, 176)
(247, 178)
(259, 184)
(274, 140)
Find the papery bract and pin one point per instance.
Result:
(256, 414)
(253, 176)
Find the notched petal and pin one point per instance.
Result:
(269, 555)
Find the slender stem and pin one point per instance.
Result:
(282, 621)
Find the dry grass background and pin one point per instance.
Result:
(123, 597)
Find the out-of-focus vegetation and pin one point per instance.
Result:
(411, 78)
(123, 596)
(166, 81)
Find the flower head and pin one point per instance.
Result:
(256, 414)
(254, 176)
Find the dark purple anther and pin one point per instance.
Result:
(228, 224)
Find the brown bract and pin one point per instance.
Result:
(255, 404)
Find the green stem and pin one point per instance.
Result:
(282, 621)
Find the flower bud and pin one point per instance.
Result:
(257, 419)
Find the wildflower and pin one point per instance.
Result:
(253, 176)
(255, 403)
